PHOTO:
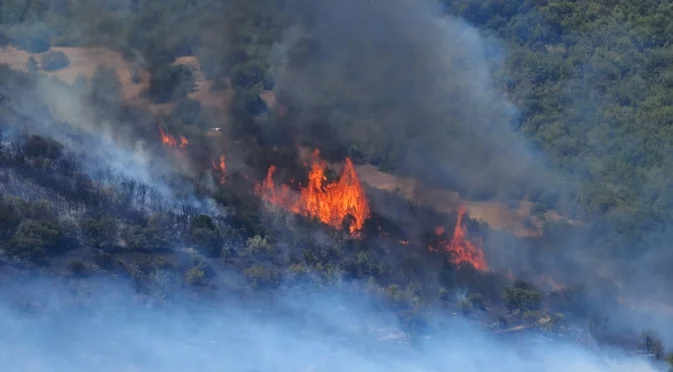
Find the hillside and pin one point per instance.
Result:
(84, 61)
(392, 174)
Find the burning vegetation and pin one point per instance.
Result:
(462, 251)
(330, 202)
(171, 141)
(220, 168)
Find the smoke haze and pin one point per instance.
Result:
(430, 90)
(77, 329)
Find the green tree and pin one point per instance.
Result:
(33, 240)
(195, 276)
(204, 234)
(171, 83)
(101, 232)
(145, 238)
(261, 277)
(259, 246)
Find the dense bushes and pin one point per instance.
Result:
(33, 240)
(521, 300)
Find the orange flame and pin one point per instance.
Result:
(170, 141)
(221, 168)
(328, 202)
(462, 250)
(167, 139)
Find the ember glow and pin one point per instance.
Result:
(330, 203)
(461, 249)
(221, 169)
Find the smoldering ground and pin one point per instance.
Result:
(49, 326)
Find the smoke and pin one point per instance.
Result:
(55, 326)
(98, 138)
(397, 76)
(426, 90)
(360, 77)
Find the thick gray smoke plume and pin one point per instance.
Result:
(73, 331)
(396, 76)
(378, 76)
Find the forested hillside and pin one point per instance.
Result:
(562, 106)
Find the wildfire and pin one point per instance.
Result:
(221, 168)
(170, 141)
(330, 203)
(462, 250)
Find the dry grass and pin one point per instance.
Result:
(497, 215)
(84, 61)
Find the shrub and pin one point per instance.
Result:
(53, 61)
(38, 146)
(100, 233)
(202, 221)
(33, 239)
(521, 300)
(138, 237)
(261, 277)
(259, 246)
(250, 74)
(195, 276)
(209, 241)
